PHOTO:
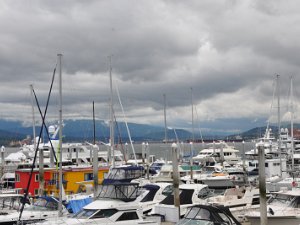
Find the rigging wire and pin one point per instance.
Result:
(36, 150)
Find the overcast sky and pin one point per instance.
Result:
(222, 55)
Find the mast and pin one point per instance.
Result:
(112, 152)
(193, 137)
(193, 133)
(279, 121)
(292, 122)
(95, 157)
(60, 137)
(33, 118)
(94, 125)
(165, 118)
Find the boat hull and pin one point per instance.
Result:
(218, 183)
(276, 220)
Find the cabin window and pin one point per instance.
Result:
(203, 193)
(251, 164)
(101, 159)
(266, 164)
(17, 177)
(225, 218)
(36, 177)
(36, 192)
(85, 213)
(128, 216)
(168, 190)
(104, 213)
(255, 201)
(88, 176)
(198, 214)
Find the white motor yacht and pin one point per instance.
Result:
(105, 212)
(42, 209)
(217, 152)
(283, 207)
(190, 194)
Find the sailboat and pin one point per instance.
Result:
(119, 173)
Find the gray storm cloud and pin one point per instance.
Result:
(228, 52)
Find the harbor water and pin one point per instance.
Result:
(162, 150)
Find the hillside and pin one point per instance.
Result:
(82, 130)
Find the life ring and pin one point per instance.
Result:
(294, 184)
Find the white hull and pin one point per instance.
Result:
(61, 221)
(218, 183)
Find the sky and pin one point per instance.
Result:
(216, 61)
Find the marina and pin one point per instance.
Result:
(149, 113)
(152, 194)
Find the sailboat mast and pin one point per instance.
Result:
(112, 152)
(292, 123)
(94, 125)
(192, 103)
(60, 138)
(33, 118)
(165, 118)
(193, 136)
(279, 121)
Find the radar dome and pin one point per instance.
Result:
(51, 129)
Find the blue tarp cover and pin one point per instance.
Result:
(77, 204)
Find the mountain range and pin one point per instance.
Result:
(11, 132)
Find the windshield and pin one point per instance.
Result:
(85, 213)
(287, 200)
(43, 205)
(280, 199)
(198, 214)
(157, 165)
(104, 213)
(204, 193)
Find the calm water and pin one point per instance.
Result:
(162, 150)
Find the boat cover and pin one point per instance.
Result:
(75, 205)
